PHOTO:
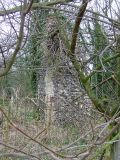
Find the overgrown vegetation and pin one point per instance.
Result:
(60, 100)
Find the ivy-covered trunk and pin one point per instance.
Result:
(107, 101)
(116, 145)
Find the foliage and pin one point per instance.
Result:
(33, 58)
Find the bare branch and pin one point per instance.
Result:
(11, 60)
(77, 24)
(15, 149)
(33, 6)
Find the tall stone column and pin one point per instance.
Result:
(49, 92)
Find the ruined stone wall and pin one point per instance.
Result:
(69, 99)
(71, 103)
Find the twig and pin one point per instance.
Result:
(34, 138)
(26, 135)
(18, 150)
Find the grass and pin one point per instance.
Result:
(25, 117)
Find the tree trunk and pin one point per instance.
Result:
(116, 151)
